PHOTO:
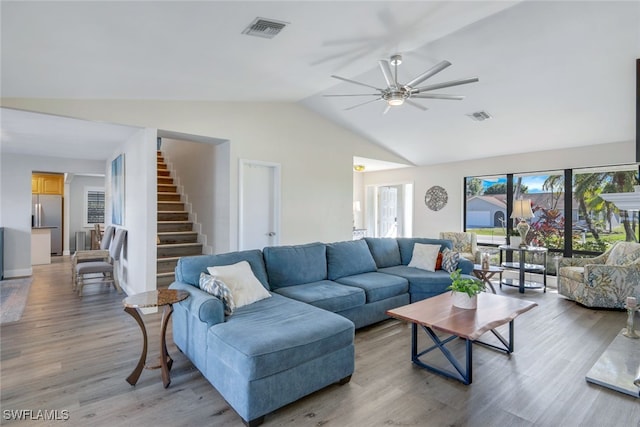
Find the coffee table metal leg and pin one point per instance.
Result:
(464, 375)
(133, 378)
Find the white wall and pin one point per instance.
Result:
(77, 189)
(428, 223)
(137, 268)
(316, 155)
(15, 192)
(202, 170)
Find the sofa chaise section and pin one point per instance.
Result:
(266, 354)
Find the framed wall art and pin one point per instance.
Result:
(117, 190)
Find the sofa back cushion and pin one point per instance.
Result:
(384, 250)
(189, 268)
(349, 258)
(405, 244)
(295, 265)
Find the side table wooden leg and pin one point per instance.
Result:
(166, 362)
(133, 378)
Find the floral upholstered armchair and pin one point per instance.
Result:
(466, 243)
(604, 281)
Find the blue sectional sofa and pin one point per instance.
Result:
(279, 349)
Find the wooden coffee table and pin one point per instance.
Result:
(438, 313)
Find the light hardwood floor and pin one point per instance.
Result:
(71, 353)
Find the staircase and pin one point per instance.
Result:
(176, 237)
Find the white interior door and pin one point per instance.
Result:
(259, 223)
(387, 212)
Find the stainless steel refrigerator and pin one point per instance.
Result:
(46, 211)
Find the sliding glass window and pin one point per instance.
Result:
(486, 208)
(569, 213)
(598, 223)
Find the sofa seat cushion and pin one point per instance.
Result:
(377, 286)
(326, 294)
(574, 273)
(274, 335)
(295, 265)
(348, 258)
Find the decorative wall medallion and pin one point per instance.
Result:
(436, 198)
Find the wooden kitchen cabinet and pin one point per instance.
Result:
(45, 183)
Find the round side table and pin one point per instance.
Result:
(486, 275)
(160, 298)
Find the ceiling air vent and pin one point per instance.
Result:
(266, 28)
(479, 116)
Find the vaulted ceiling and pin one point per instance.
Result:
(552, 74)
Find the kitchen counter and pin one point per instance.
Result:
(41, 245)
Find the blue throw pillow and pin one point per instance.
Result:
(450, 260)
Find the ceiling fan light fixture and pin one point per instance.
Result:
(395, 99)
(396, 60)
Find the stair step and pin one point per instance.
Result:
(173, 216)
(167, 265)
(170, 226)
(164, 172)
(165, 206)
(164, 188)
(179, 249)
(168, 197)
(178, 237)
(167, 180)
(163, 280)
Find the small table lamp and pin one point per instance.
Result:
(522, 210)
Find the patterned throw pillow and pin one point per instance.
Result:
(218, 289)
(450, 260)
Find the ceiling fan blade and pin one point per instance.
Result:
(388, 75)
(355, 82)
(415, 104)
(357, 94)
(443, 85)
(430, 72)
(364, 103)
(438, 96)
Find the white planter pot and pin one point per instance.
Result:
(462, 300)
(515, 240)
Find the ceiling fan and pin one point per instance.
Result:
(396, 94)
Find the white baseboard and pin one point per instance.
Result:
(18, 273)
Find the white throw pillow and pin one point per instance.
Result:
(424, 256)
(239, 278)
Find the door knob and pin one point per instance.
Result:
(271, 234)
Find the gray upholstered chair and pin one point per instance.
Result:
(604, 281)
(101, 254)
(94, 272)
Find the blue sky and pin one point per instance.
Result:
(534, 183)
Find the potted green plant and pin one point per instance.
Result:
(465, 290)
